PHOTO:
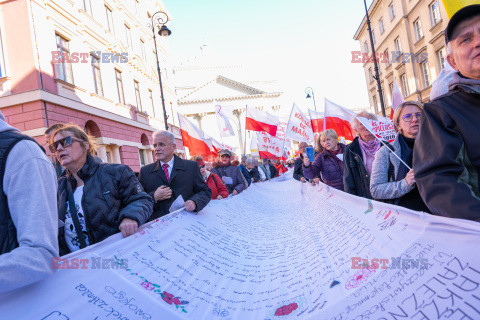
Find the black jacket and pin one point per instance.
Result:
(356, 179)
(111, 193)
(185, 180)
(446, 157)
(273, 171)
(298, 168)
(254, 174)
(234, 173)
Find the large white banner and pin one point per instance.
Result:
(279, 250)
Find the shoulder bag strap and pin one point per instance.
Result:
(76, 220)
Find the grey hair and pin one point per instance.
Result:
(449, 48)
(363, 114)
(249, 162)
(170, 135)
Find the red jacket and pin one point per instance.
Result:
(216, 185)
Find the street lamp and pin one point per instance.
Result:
(377, 74)
(309, 92)
(160, 21)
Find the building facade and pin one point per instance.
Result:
(410, 46)
(86, 62)
(203, 83)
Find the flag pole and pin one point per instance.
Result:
(245, 140)
(381, 141)
(325, 114)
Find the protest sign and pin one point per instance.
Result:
(299, 126)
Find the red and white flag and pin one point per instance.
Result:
(268, 146)
(397, 98)
(299, 126)
(193, 138)
(224, 126)
(337, 118)
(216, 146)
(258, 120)
(317, 120)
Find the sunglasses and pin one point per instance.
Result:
(65, 142)
(409, 116)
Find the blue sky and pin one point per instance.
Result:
(300, 43)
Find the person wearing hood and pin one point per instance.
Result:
(391, 179)
(359, 155)
(231, 176)
(95, 200)
(219, 191)
(328, 164)
(28, 210)
(447, 152)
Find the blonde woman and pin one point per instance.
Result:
(391, 180)
(95, 200)
(329, 163)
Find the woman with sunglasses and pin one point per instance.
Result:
(392, 180)
(95, 200)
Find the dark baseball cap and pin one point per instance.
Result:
(461, 15)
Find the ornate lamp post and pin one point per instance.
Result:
(309, 92)
(159, 19)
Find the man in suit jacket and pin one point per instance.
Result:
(171, 176)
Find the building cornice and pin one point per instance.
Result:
(251, 96)
(42, 95)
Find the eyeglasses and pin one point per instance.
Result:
(409, 116)
(65, 142)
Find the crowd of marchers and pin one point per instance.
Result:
(48, 210)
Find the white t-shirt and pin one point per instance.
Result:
(71, 237)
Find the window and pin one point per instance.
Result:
(434, 10)
(390, 85)
(403, 79)
(381, 26)
(2, 60)
(384, 98)
(373, 37)
(128, 36)
(118, 78)
(417, 29)
(136, 85)
(109, 157)
(87, 7)
(398, 44)
(391, 11)
(425, 74)
(386, 57)
(375, 104)
(109, 14)
(150, 97)
(142, 49)
(64, 67)
(442, 58)
(97, 77)
(365, 47)
(141, 154)
(370, 75)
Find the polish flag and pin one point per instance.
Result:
(224, 126)
(337, 118)
(397, 98)
(258, 120)
(193, 138)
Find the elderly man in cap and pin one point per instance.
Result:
(231, 175)
(447, 150)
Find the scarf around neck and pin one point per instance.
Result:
(369, 149)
